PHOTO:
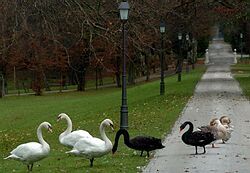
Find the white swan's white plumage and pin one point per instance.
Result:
(91, 148)
(31, 152)
(69, 138)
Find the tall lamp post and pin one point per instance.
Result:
(179, 65)
(187, 52)
(241, 45)
(124, 9)
(162, 85)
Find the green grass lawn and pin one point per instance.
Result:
(90, 84)
(149, 114)
(241, 73)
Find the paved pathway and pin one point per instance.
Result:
(216, 94)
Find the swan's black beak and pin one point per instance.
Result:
(58, 119)
(112, 127)
(50, 129)
(113, 151)
(162, 146)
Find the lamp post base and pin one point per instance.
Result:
(179, 76)
(162, 88)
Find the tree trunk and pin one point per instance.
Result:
(147, 67)
(1, 86)
(100, 76)
(81, 80)
(118, 72)
(37, 83)
(131, 75)
(96, 77)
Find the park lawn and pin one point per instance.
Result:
(149, 114)
(90, 84)
(241, 73)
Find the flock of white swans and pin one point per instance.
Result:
(82, 143)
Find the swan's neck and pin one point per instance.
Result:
(40, 137)
(108, 143)
(191, 127)
(69, 128)
(126, 138)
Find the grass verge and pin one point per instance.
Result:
(149, 114)
(241, 73)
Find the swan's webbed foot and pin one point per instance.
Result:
(91, 162)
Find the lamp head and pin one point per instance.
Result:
(187, 37)
(162, 27)
(179, 36)
(124, 9)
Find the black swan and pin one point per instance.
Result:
(196, 138)
(141, 143)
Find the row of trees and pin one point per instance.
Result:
(236, 21)
(73, 38)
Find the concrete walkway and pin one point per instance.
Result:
(216, 94)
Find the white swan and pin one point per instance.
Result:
(31, 152)
(91, 148)
(69, 138)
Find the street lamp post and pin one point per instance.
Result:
(162, 84)
(124, 9)
(187, 51)
(179, 64)
(241, 45)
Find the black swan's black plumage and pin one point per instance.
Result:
(141, 143)
(196, 138)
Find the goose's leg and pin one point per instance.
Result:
(148, 153)
(141, 152)
(204, 150)
(196, 150)
(91, 162)
(28, 166)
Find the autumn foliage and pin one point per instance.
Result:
(44, 38)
